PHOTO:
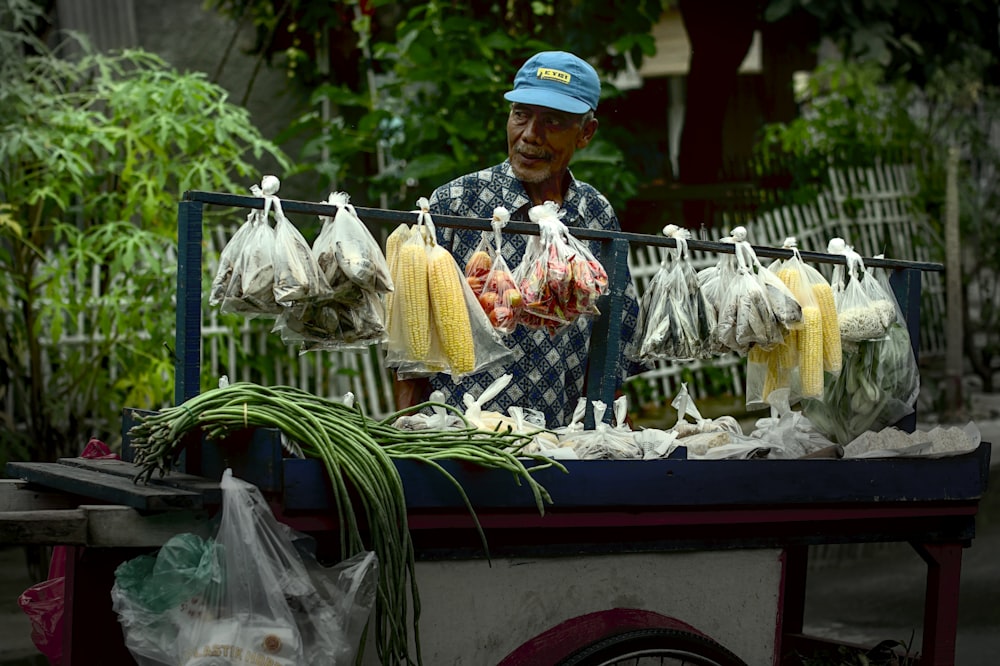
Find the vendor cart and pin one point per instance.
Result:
(695, 560)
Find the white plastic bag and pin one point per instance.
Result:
(249, 595)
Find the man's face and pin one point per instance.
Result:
(541, 141)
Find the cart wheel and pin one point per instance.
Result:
(654, 647)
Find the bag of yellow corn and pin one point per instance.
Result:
(438, 325)
(796, 364)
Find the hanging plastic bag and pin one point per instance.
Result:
(559, 277)
(901, 374)
(393, 242)
(859, 316)
(348, 255)
(227, 261)
(297, 277)
(246, 596)
(747, 315)
(676, 320)
(498, 295)
(251, 285)
(437, 324)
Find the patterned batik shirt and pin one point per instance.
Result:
(548, 372)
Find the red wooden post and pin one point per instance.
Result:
(944, 569)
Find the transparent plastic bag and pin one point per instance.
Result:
(227, 262)
(614, 441)
(676, 320)
(251, 285)
(297, 276)
(348, 255)
(559, 277)
(498, 295)
(250, 595)
(860, 317)
(747, 315)
(431, 331)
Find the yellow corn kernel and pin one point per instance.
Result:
(450, 310)
(788, 351)
(811, 352)
(412, 287)
(395, 241)
(757, 354)
(832, 352)
(793, 280)
(776, 376)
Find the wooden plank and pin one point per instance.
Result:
(125, 527)
(208, 488)
(105, 487)
(47, 526)
(19, 495)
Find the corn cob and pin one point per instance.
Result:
(776, 376)
(395, 240)
(413, 289)
(450, 311)
(788, 351)
(811, 352)
(793, 280)
(832, 352)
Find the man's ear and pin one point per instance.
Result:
(587, 133)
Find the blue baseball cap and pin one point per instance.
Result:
(557, 80)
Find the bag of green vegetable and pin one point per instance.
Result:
(249, 595)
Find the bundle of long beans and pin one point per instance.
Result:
(357, 452)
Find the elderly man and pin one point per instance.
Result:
(552, 115)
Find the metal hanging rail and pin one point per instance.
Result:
(905, 280)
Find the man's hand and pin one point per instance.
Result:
(409, 392)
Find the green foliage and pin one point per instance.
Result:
(95, 152)
(851, 116)
(426, 103)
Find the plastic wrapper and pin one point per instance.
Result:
(614, 441)
(492, 280)
(250, 289)
(721, 437)
(801, 351)
(439, 418)
(227, 261)
(676, 320)
(899, 363)
(751, 311)
(558, 277)
(437, 324)
(788, 433)
(864, 311)
(333, 325)
(348, 255)
(297, 276)
(250, 595)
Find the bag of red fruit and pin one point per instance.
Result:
(487, 269)
(559, 277)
